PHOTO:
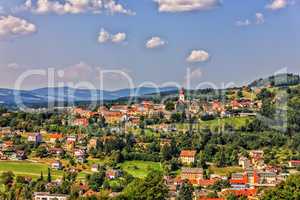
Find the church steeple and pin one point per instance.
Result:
(181, 95)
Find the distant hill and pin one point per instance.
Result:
(277, 80)
(66, 94)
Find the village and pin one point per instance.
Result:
(74, 152)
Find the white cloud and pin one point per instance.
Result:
(114, 7)
(186, 5)
(277, 4)
(246, 22)
(155, 42)
(198, 56)
(105, 36)
(119, 37)
(260, 18)
(74, 6)
(11, 27)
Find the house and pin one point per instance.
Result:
(113, 117)
(191, 173)
(113, 173)
(254, 178)
(20, 155)
(35, 138)
(56, 151)
(48, 196)
(71, 139)
(206, 182)
(7, 145)
(56, 165)
(257, 159)
(3, 156)
(244, 162)
(81, 122)
(119, 108)
(196, 182)
(187, 156)
(294, 163)
(164, 142)
(55, 136)
(80, 155)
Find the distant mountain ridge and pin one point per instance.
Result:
(67, 94)
(284, 79)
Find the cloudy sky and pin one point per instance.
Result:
(152, 41)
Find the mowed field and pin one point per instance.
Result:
(140, 169)
(25, 168)
(236, 122)
(225, 170)
(31, 169)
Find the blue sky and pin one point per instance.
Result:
(240, 46)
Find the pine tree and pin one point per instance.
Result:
(42, 176)
(49, 178)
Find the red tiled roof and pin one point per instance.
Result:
(237, 181)
(56, 136)
(187, 153)
(295, 161)
(243, 192)
(207, 182)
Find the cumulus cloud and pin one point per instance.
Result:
(74, 6)
(277, 4)
(198, 56)
(246, 22)
(119, 37)
(260, 18)
(11, 27)
(155, 42)
(186, 5)
(105, 36)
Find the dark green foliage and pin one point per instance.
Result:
(289, 190)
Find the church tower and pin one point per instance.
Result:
(181, 95)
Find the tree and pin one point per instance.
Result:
(7, 178)
(220, 158)
(186, 191)
(151, 188)
(288, 190)
(41, 152)
(49, 178)
(95, 180)
(170, 106)
(41, 176)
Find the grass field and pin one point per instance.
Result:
(225, 170)
(32, 169)
(236, 122)
(27, 169)
(140, 169)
